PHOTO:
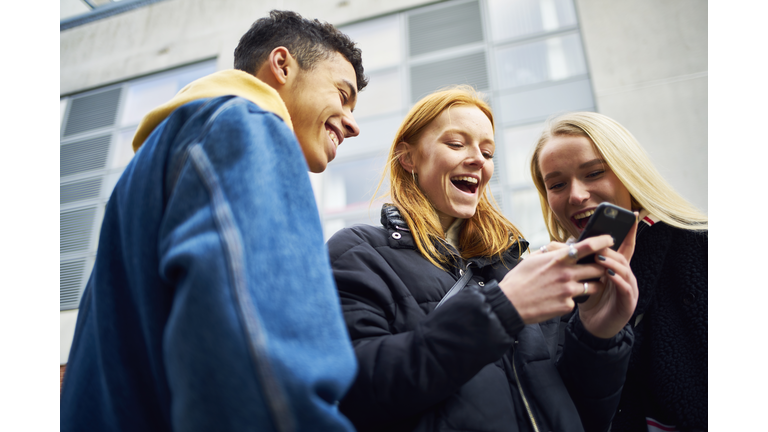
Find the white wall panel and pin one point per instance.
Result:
(648, 62)
(669, 119)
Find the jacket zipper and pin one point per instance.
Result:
(462, 270)
(522, 394)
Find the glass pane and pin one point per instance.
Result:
(552, 59)
(122, 152)
(376, 135)
(372, 217)
(110, 181)
(349, 186)
(538, 104)
(518, 18)
(331, 226)
(469, 69)
(63, 109)
(379, 39)
(518, 149)
(444, 27)
(525, 212)
(382, 95)
(144, 96)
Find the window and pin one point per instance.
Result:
(540, 71)
(515, 19)
(97, 129)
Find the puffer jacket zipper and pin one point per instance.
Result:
(522, 394)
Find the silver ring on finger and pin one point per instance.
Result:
(543, 249)
(586, 285)
(572, 252)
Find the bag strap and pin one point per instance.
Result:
(461, 283)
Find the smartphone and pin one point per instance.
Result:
(608, 219)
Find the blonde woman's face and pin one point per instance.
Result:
(577, 180)
(454, 161)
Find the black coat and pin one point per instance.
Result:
(471, 364)
(667, 377)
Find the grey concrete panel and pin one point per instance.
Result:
(70, 8)
(648, 63)
(670, 122)
(632, 41)
(177, 32)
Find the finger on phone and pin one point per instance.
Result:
(584, 272)
(593, 244)
(627, 248)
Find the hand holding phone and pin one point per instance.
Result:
(608, 219)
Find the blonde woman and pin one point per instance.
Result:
(493, 355)
(585, 158)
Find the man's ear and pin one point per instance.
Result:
(279, 67)
(406, 156)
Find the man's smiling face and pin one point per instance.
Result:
(320, 103)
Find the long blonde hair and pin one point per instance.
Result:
(627, 159)
(488, 232)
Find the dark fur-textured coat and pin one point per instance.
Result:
(667, 377)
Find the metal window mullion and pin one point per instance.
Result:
(536, 37)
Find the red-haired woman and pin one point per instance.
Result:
(492, 355)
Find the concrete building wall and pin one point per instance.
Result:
(70, 8)
(176, 32)
(648, 62)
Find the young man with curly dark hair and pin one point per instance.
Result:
(211, 304)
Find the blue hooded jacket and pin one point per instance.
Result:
(211, 304)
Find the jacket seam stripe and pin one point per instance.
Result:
(175, 171)
(249, 318)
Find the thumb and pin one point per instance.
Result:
(627, 247)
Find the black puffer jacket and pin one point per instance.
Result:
(667, 377)
(471, 365)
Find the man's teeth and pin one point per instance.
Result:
(333, 136)
(582, 215)
(466, 179)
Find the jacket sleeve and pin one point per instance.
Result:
(593, 370)
(255, 338)
(402, 373)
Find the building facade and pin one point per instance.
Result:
(642, 62)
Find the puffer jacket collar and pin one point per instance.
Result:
(400, 237)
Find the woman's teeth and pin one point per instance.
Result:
(584, 214)
(465, 183)
(582, 218)
(465, 179)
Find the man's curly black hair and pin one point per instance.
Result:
(307, 40)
